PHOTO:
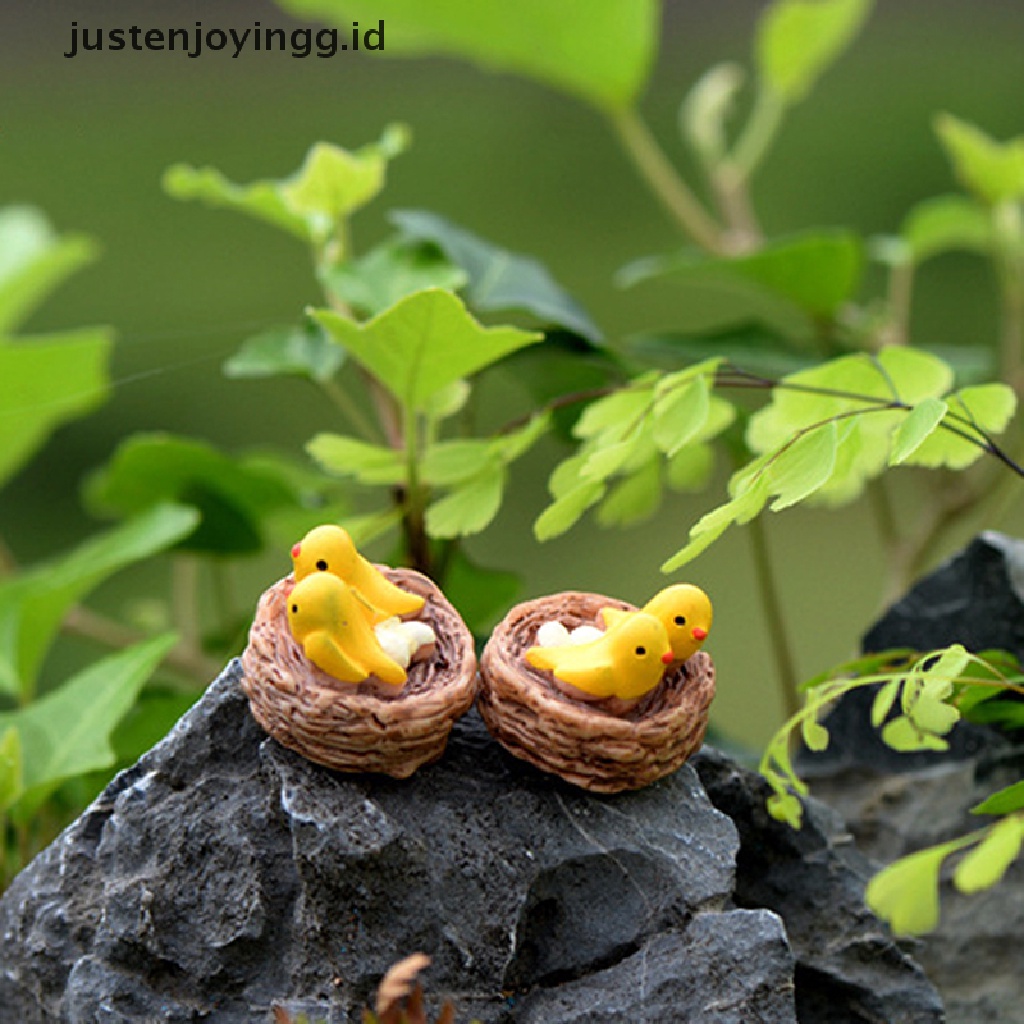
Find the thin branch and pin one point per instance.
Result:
(664, 181)
(343, 403)
(89, 625)
(778, 635)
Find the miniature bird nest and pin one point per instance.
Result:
(586, 743)
(364, 727)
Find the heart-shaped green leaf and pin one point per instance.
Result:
(422, 344)
(601, 50)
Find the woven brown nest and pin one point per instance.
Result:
(363, 728)
(587, 744)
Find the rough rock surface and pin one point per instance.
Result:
(223, 874)
(895, 804)
(975, 599)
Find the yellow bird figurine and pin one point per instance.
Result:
(329, 549)
(326, 616)
(685, 612)
(626, 662)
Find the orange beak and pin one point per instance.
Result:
(295, 550)
(667, 658)
(699, 634)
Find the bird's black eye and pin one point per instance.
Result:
(680, 620)
(295, 609)
(322, 565)
(641, 651)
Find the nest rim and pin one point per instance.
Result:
(360, 727)
(581, 741)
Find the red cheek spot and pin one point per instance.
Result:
(667, 658)
(699, 634)
(295, 550)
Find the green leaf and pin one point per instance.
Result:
(451, 462)
(741, 509)
(992, 170)
(858, 389)
(982, 407)
(906, 893)
(946, 224)
(913, 374)
(390, 272)
(67, 732)
(921, 422)
(754, 346)
(33, 604)
(499, 280)
(942, 672)
(787, 808)
(634, 498)
(689, 470)
(232, 496)
(797, 40)
(987, 862)
(423, 343)
(368, 463)
(44, 383)
(704, 112)
(599, 50)
(33, 261)
(12, 783)
(287, 351)
(816, 272)
(565, 477)
(884, 700)
(568, 508)
(331, 184)
(815, 735)
(469, 507)
(1005, 801)
(512, 445)
(605, 462)
(681, 413)
(903, 735)
(614, 415)
(803, 467)
(449, 400)
(933, 716)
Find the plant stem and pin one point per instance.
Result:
(771, 602)
(343, 403)
(89, 625)
(901, 289)
(415, 499)
(185, 601)
(663, 180)
(758, 134)
(1010, 270)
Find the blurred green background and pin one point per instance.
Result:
(87, 140)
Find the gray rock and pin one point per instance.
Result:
(976, 599)
(223, 874)
(702, 976)
(848, 968)
(896, 804)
